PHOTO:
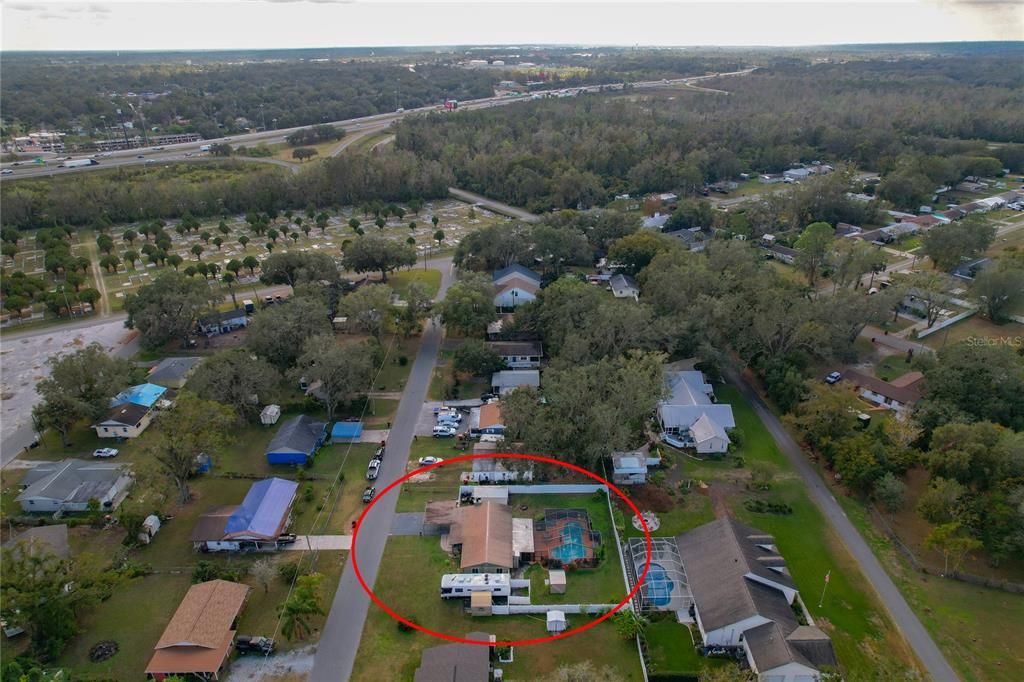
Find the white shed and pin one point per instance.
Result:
(556, 621)
(270, 415)
(149, 528)
(556, 581)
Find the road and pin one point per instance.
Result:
(492, 205)
(364, 124)
(339, 641)
(913, 631)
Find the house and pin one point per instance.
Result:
(514, 286)
(69, 484)
(689, 417)
(781, 253)
(509, 380)
(847, 230)
(770, 178)
(346, 432)
(968, 270)
(744, 598)
(796, 174)
(457, 662)
(42, 540)
(296, 441)
(899, 394)
(223, 322)
(630, 468)
(656, 221)
(518, 354)
(173, 372)
(146, 395)
(486, 420)
(483, 538)
(124, 421)
(198, 640)
(692, 237)
(256, 524)
(624, 286)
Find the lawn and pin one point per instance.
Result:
(892, 367)
(670, 648)
(400, 281)
(386, 653)
(443, 483)
(973, 327)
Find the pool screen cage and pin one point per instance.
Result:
(665, 588)
(564, 537)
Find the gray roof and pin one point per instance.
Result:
(623, 285)
(718, 556)
(687, 387)
(509, 348)
(52, 539)
(516, 377)
(684, 416)
(173, 369)
(456, 662)
(71, 480)
(298, 434)
(127, 414)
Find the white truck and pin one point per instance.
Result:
(205, 148)
(78, 163)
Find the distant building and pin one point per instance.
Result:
(223, 322)
(656, 221)
(624, 286)
(506, 381)
(297, 441)
(630, 468)
(518, 354)
(514, 286)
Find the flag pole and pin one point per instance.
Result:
(828, 576)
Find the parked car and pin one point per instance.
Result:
(833, 378)
(368, 494)
(444, 421)
(427, 461)
(487, 396)
(450, 416)
(105, 452)
(246, 644)
(441, 431)
(287, 539)
(373, 470)
(379, 455)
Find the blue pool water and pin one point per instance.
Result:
(572, 547)
(659, 587)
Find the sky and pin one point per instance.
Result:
(263, 24)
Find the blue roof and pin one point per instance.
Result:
(347, 430)
(264, 509)
(143, 394)
(517, 269)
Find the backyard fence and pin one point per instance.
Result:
(510, 609)
(945, 323)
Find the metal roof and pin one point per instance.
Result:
(264, 510)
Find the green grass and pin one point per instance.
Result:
(691, 510)
(892, 367)
(400, 281)
(972, 327)
(670, 648)
(394, 374)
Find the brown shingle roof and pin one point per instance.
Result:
(210, 525)
(486, 531)
(490, 415)
(907, 395)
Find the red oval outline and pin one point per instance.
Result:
(520, 642)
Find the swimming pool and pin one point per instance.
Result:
(572, 548)
(659, 586)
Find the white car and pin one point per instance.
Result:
(105, 452)
(373, 470)
(427, 461)
(6, 171)
(441, 431)
(449, 416)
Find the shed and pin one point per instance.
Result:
(556, 581)
(270, 415)
(149, 528)
(480, 604)
(346, 432)
(556, 621)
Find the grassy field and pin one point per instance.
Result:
(973, 327)
(670, 648)
(892, 367)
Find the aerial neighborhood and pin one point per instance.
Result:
(513, 362)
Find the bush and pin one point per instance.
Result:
(207, 570)
(288, 571)
(403, 627)
(403, 360)
(763, 507)
(307, 494)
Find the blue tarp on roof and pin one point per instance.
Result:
(143, 394)
(264, 509)
(347, 430)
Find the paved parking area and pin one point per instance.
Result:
(425, 423)
(407, 523)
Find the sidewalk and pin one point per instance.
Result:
(305, 543)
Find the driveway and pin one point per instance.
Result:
(913, 631)
(339, 641)
(408, 523)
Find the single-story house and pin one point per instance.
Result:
(899, 394)
(744, 598)
(223, 322)
(145, 395)
(847, 230)
(630, 468)
(656, 221)
(668, 197)
(42, 540)
(173, 372)
(796, 174)
(256, 524)
(127, 420)
(514, 292)
(509, 380)
(483, 538)
(518, 354)
(346, 432)
(515, 271)
(624, 286)
(69, 484)
(690, 417)
(692, 237)
(968, 270)
(296, 441)
(781, 253)
(197, 642)
(456, 662)
(486, 420)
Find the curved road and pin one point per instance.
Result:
(906, 620)
(339, 641)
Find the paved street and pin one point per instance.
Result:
(913, 631)
(339, 641)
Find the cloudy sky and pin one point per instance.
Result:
(199, 24)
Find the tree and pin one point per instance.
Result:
(243, 240)
(951, 540)
(303, 153)
(233, 266)
(303, 602)
(234, 378)
(269, 246)
(273, 234)
(998, 289)
(192, 427)
(813, 248)
(827, 416)
(373, 253)
(341, 371)
(168, 308)
(278, 332)
(252, 263)
(439, 237)
(174, 260)
(468, 306)
(380, 223)
(418, 303)
(369, 308)
(850, 259)
(890, 492)
(223, 228)
(941, 502)
(929, 288)
(197, 250)
(90, 296)
(629, 624)
(130, 236)
(354, 223)
(950, 244)
(973, 381)
(229, 281)
(761, 474)
(218, 242)
(264, 572)
(477, 358)
(635, 252)
(968, 453)
(296, 267)
(555, 247)
(855, 461)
